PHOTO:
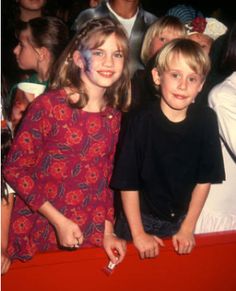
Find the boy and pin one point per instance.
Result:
(169, 154)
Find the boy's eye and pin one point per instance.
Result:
(175, 75)
(193, 79)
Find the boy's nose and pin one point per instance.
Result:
(183, 84)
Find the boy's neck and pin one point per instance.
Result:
(172, 114)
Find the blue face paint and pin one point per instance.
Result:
(87, 55)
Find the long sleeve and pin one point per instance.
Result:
(222, 99)
(21, 166)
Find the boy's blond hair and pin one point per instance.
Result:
(194, 55)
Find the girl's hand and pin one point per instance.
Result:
(5, 262)
(112, 245)
(183, 242)
(147, 245)
(69, 233)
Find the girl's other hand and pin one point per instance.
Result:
(114, 247)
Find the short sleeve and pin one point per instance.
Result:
(127, 163)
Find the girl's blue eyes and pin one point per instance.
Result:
(97, 53)
(102, 54)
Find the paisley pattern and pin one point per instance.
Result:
(62, 155)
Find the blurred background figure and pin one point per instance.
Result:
(40, 42)
(162, 31)
(14, 14)
(186, 12)
(219, 211)
(205, 31)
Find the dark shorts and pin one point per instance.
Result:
(151, 224)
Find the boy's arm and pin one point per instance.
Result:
(147, 245)
(183, 240)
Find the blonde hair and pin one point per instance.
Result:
(156, 29)
(194, 56)
(91, 35)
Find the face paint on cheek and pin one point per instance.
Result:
(87, 55)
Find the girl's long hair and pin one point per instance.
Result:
(49, 32)
(90, 36)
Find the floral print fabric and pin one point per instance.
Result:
(65, 156)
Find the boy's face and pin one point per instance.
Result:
(179, 86)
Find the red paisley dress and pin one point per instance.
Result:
(65, 156)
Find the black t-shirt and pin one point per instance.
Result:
(165, 160)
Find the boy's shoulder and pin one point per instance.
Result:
(200, 111)
(202, 117)
(147, 109)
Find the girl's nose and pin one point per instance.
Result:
(16, 50)
(108, 61)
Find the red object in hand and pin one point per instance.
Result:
(108, 270)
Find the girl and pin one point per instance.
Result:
(62, 156)
(14, 14)
(41, 41)
(169, 155)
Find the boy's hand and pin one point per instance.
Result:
(183, 242)
(147, 245)
(110, 243)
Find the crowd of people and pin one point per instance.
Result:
(131, 136)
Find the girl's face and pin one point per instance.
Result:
(166, 36)
(179, 86)
(26, 54)
(103, 66)
(32, 4)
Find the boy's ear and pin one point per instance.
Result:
(156, 76)
(200, 87)
(77, 58)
